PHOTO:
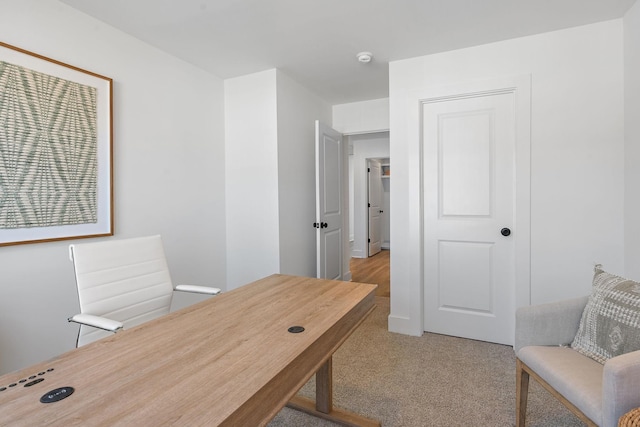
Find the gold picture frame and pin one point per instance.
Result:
(56, 150)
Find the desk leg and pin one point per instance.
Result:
(323, 406)
(324, 387)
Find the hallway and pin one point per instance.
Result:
(374, 269)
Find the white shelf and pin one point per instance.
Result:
(385, 170)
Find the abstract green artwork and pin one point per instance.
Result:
(48, 143)
(56, 150)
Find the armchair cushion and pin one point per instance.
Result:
(577, 378)
(610, 324)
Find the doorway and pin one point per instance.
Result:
(373, 270)
(378, 204)
(364, 148)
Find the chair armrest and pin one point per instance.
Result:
(549, 324)
(198, 289)
(620, 391)
(97, 322)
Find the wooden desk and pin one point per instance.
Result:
(227, 361)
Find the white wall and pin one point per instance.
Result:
(632, 141)
(251, 163)
(270, 181)
(577, 156)
(361, 117)
(365, 146)
(298, 108)
(168, 170)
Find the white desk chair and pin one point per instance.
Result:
(121, 284)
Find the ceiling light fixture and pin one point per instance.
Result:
(365, 57)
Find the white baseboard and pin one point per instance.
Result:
(402, 325)
(358, 254)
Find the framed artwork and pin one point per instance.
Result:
(56, 150)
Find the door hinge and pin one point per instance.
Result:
(368, 169)
(368, 240)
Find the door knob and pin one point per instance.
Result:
(505, 232)
(323, 225)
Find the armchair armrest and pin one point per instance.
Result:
(548, 324)
(97, 322)
(620, 392)
(198, 289)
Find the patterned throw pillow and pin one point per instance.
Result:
(610, 324)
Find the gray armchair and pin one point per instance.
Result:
(597, 394)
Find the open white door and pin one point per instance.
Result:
(330, 204)
(374, 206)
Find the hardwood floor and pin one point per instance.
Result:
(374, 269)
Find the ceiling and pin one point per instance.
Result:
(315, 42)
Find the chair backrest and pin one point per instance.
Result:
(126, 280)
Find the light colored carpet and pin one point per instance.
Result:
(433, 380)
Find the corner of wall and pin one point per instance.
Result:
(631, 23)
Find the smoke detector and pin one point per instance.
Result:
(365, 57)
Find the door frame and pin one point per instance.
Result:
(410, 320)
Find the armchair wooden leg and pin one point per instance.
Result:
(522, 392)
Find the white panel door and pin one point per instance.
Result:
(374, 206)
(469, 208)
(330, 210)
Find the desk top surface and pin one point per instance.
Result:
(229, 360)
